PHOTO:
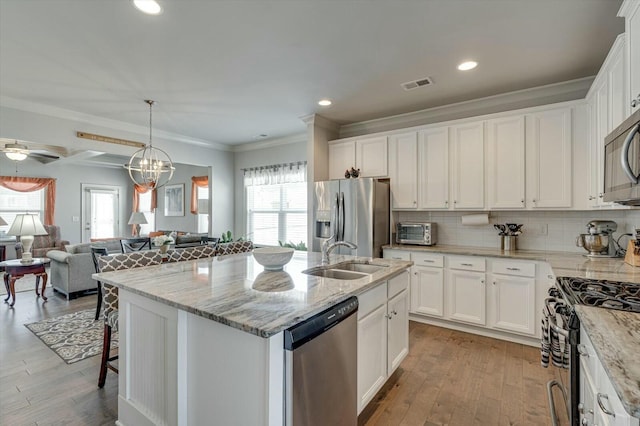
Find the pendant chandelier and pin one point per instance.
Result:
(150, 167)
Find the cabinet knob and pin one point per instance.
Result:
(455, 202)
(494, 283)
(591, 197)
(634, 103)
(581, 408)
(415, 202)
(534, 200)
(522, 201)
(600, 195)
(482, 281)
(446, 202)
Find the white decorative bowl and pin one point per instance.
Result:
(273, 258)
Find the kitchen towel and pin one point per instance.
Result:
(475, 219)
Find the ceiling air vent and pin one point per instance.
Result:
(417, 83)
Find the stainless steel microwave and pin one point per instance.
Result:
(622, 163)
(423, 234)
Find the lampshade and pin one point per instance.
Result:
(27, 224)
(15, 151)
(137, 218)
(2, 222)
(203, 206)
(150, 167)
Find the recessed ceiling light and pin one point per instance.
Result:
(466, 66)
(150, 7)
(324, 102)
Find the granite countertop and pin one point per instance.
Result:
(236, 291)
(564, 264)
(616, 339)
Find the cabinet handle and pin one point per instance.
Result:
(397, 258)
(513, 269)
(467, 264)
(582, 350)
(599, 398)
(634, 103)
(428, 260)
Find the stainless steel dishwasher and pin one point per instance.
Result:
(321, 368)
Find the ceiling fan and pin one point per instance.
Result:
(19, 151)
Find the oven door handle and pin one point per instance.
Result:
(552, 404)
(624, 158)
(560, 330)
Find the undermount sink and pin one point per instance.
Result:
(345, 270)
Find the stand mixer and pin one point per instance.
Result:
(599, 240)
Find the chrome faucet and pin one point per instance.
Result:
(328, 246)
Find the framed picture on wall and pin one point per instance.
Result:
(174, 200)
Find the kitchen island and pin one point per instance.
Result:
(201, 342)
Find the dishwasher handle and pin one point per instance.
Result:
(311, 328)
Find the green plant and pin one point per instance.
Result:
(226, 237)
(300, 246)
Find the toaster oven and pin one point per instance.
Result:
(423, 234)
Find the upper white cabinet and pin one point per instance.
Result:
(631, 11)
(368, 154)
(505, 163)
(467, 174)
(403, 170)
(549, 144)
(433, 167)
(342, 156)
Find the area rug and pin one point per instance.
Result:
(73, 337)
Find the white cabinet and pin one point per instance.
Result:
(466, 291)
(505, 163)
(631, 11)
(512, 296)
(549, 143)
(342, 156)
(383, 335)
(368, 154)
(433, 167)
(427, 284)
(403, 170)
(467, 175)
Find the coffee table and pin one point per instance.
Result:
(15, 269)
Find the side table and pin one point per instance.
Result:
(15, 269)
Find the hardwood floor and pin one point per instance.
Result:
(454, 378)
(36, 386)
(448, 378)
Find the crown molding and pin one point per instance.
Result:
(66, 114)
(320, 121)
(286, 140)
(541, 95)
(626, 8)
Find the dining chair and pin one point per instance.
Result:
(234, 248)
(191, 253)
(95, 253)
(117, 262)
(129, 245)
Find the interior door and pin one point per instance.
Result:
(100, 212)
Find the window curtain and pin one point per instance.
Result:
(197, 181)
(27, 184)
(276, 174)
(142, 189)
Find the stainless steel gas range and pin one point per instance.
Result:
(561, 335)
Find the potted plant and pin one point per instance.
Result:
(162, 242)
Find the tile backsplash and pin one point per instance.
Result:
(542, 230)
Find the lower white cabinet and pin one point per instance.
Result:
(467, 301)
(427, 291)
(383, 335)
(512, 293)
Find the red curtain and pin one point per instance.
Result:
(142, 189)
(197, 181)
(27, 184)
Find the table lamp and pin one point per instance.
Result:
(137, 219)
(26, 226)
(2, 222)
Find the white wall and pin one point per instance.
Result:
(562, 227)
(188, 222)
(288, 153)
(52, 126)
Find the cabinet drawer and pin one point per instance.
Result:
(371, 299)
(428, 259)
(521, 269)
(396, 254)
(397, 284)
(466, 263)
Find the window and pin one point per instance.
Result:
(277, 204)
(145, 207)
(203, 216)
(13, 203)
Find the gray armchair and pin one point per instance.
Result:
(43, 243)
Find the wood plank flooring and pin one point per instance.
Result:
(454, 378)
(448, 378)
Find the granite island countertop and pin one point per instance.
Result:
(615, 334)
(616, 339)
(236, 291)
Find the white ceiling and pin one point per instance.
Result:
(227, 71)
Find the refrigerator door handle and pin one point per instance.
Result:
(336, 222)
(342, 217)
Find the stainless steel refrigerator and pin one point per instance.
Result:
(354, 210)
